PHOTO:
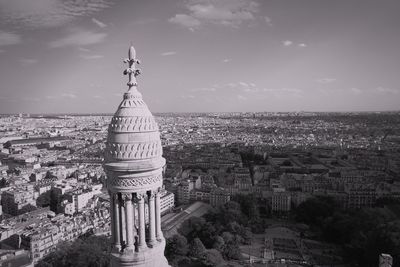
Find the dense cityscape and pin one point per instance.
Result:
(199, 133)
(266, 167)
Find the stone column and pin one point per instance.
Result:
(134, 215)
(142, 231)
(159, 233)
(115, 224)
(112, 218)
(152, 219)
(122, 222)
(130, 241)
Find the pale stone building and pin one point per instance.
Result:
(18, 198)
(167, 202)
(134, 168)
(281, 202)
(219, 197)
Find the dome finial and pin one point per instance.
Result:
(132, 71)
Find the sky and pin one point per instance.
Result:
(66, 56)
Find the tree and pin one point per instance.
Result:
(246, 235)
(315, 210)
(232, 251)
(43, 264)
(88, 252)
(249, 206)
(43, 200)
(211, 258)
(231, 212)
(176, 245)
(197, 248)
(191, 227)
(3, 183)
(198, 228)
(219, 243)
(228, 237)
(181, 261)
(374, 236)
(339, 228)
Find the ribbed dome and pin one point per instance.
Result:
(133, 134)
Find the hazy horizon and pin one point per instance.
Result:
(206, 112)
(201, 56)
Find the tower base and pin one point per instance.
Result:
(150, 257)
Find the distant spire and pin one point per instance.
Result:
(132, 71)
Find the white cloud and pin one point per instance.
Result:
(99, 23)
(187, 96)
(204, 89)
(83, 49)
(280, 92)
(226, 60)
(169, 53)
(292, 90)
(356, 91)
(287, 43)
(326, 80)
(8, 38)
(185, 20)
(91, 56)
(31, 99)
(384, 90)
(144, 21)
(223, 12)
(246, 87)
(238, 87)
(68, 95)
(232, 85)
(79, 37)
(240, 97)
(291, 43)
(268, 21)
(251, 90)
(47, 13)
(27, 61)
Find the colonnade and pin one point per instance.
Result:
(128, 220)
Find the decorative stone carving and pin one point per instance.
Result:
(127, 197)
(133, 124)
(134, 182)
(132, 60)
(135, 150)
(152, 195)
(139, 196)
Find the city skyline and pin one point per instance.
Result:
(200, 55)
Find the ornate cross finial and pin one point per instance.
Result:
(131, 70)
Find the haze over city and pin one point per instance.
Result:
(200, 55)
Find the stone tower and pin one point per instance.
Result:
(134, 168)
